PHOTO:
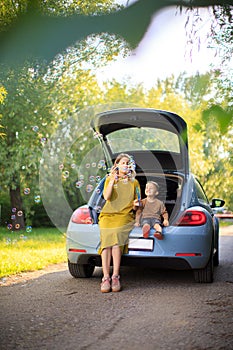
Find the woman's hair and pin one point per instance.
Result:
(120, 156)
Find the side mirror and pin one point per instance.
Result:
(217, 203)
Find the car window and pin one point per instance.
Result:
(200, 192)
(144, 138)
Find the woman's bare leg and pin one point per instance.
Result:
(106, 261)
(116, 256)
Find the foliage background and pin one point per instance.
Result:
(40, 99)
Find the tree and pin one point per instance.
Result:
(3, 94)
(42, 30)
(40, 97)
(40, 100)
(26, 117)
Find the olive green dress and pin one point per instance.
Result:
(116, 219)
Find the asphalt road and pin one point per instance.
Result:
(155, 310)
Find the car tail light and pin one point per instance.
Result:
(82, 216)
(74, 250)
(192, 218)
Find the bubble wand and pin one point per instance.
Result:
(138, 195)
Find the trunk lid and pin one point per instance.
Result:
(156, 139)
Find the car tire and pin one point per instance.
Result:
(81, 270)
(205, 275)
(216, 254)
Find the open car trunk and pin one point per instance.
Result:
(170, 190)
(157, 141)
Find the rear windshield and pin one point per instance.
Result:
(144, 138)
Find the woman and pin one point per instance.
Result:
(117, 219)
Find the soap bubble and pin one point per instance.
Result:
(43, 140)
(97, 135)
(101, 163)
(89, 188)
(27, 191)
(78, 184)
(8, 240)
(20, 213)
(28, 229)
(65, 174)
(98, 178)
(35, 128)
(92, 178)
(37, 199)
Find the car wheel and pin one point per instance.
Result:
(216, 255)
(205, 275)
(81, 270)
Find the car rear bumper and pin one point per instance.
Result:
(157, 262)
(181, 249)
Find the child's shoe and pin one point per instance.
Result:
(158, 235)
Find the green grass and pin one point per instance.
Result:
(223, 223)
(29, 251)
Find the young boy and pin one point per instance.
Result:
(150, 212)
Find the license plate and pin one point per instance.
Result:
(141, 244)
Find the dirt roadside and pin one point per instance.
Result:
(25, 276)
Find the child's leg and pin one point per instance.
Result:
(158, 232)
(146, 230)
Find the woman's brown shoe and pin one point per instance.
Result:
(116, 286)
(105, 286)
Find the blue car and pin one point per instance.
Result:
(158, 143)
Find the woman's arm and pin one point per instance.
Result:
(108, 189)
(110, 183)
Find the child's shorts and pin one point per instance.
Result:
(150, 221)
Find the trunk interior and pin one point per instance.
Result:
(170, 186)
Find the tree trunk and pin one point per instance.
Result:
(17, 214)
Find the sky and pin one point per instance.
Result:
(164, 51)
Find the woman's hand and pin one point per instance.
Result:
(112, 177)
(113, 173)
